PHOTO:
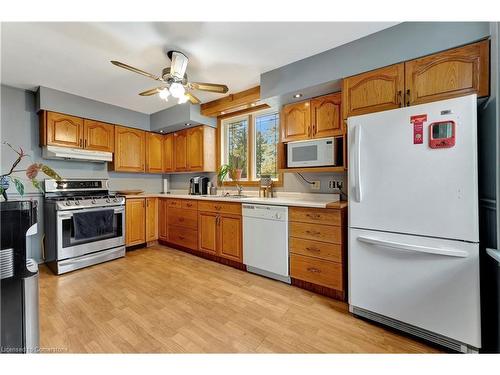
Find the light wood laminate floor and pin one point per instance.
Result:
(166, 301)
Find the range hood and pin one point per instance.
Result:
(65, 153)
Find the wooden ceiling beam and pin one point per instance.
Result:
(231, 103)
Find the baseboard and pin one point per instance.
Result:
(319, 289)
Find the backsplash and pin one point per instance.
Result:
(292, 182)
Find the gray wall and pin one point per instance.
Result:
(19, 126)
(398, 43)
(59, 101)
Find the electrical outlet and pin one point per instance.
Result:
(316, 185)
(335, 184)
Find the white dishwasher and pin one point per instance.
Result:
(265, 240)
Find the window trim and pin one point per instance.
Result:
(250, 145)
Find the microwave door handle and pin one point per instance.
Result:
(355, 170)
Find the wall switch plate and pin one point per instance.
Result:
(316, 185)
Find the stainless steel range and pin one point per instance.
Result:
(84, 224)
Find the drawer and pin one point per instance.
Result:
(315, 215)
(189, 204)
(316, 249)
(182, 236)
(183, 218)
(223, 207)
(174, 203)
(317, 232)
(317, 271)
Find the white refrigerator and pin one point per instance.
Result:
(413, 252)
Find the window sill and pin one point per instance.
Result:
(250, 183)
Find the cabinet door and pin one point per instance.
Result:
(64, 130)
(135, 216)
(325, 116)
(98, 136)
(129, 150)
(163, 219)
(180, 150)
(374, 91)
(168, 153)
(230, 238)
(207, 231)
(154, 153)
(151, 219)
(296, 122)
(195, 149)
(457, 72)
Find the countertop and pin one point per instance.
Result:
(283, 199)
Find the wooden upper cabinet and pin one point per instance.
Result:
(195, 148)
(99, 136)
(151, 219)
(57, 129)
(180, 150)
(135, 215)
(374, 91)
(230, 237)
(457, 72)
(326, 116)
(129, 150)
(296, 122)
(168, 153)
(154, 153)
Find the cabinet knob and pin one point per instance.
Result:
(314, 270)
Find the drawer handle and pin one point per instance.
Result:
(218, 208)
(181, 238)
(189, 204)
(314, 216)
(313, 249)
(315, 270)
(181, 219)
(313, 232)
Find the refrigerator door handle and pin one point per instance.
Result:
(495, 254)
(413, 248)
(355, 175)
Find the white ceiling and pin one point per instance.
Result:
(74, 57)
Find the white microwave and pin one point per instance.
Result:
(311, 153)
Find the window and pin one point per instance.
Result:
(250, 143)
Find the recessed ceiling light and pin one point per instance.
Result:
(296, 96)
(253, 104)
(223, 113)
(161, 131)
(187, 124)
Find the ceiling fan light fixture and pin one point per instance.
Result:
(183, 99)
(177, 90)
(164, 94)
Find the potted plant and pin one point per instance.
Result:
(31, 173)
(236, 168)
(222, 173)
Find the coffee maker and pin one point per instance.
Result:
(198, 185)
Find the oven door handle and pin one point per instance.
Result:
(69, 214)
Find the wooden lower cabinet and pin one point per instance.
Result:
(135, 217)
(182, 223)
(163, 219)
(220, 229)
(208, 231)
(317, 248)
(151, 219)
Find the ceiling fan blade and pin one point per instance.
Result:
(135, 70)
(211, 87)
(179, 64)
(193, 99)
(156, 90)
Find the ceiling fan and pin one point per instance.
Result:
(175, 81)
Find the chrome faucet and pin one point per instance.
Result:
(239, 188)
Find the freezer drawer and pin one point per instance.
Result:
(425, 282)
